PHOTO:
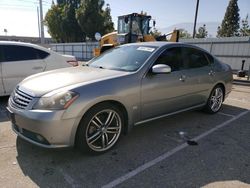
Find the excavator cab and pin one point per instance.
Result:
(132, 28)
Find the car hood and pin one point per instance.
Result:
(43, 83)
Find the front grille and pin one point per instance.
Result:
(19, 99)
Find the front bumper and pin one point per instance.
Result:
(44, 128)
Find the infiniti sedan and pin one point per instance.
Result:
(91, 106)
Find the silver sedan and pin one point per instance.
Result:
(92, 105)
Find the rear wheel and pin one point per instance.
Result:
(215, 100)
(100, 128)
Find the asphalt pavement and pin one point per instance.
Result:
(152, 155)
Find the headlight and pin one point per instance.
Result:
(58, 101)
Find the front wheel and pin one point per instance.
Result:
(100, 128)
(215, 100)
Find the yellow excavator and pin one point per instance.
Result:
(131, 28)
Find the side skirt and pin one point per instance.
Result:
(169, 114)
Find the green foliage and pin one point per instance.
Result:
(53, 21)
(108, 24)
(184, 34)
(92, 18)
(73, 20)
(61, 22)
(245, 29)
(230, 24)
(155, 33)
(202, 32)
(71, 30)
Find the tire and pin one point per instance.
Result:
(100, 128)
(215, 100)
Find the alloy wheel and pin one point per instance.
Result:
(216, 99)
(103, 130)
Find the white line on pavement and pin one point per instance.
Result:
(168, 154)
(224, 114)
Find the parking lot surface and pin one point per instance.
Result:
(152, 155)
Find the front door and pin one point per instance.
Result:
(164, 93)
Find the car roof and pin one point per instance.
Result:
(23, 44)
(157, 43)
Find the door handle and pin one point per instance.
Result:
(182, 78)
(37, 68)
(211, 73)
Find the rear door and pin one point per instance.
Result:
(198, 73)
(18, 63)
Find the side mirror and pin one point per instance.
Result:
(161, 69)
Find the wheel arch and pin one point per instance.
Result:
(113, 102)
(222, 85)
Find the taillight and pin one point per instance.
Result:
(74, 63)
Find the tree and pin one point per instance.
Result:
(184, 34)
(245, 30)
(73, 20)
(70, 27)
(155, 33)
(108, 24)
(61, 21)
(202, 32)
(92, 18)
(53, 20)
(230, 24)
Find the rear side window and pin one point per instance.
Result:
(1, 54)
(195, 58)
(41, 54)
(21, 53)
(171, 57)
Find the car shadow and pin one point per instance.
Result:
(69, 167)
(3, 110)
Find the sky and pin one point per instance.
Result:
(19, 17)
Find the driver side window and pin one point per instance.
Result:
(171, 57)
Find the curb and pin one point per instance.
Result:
(241, 82)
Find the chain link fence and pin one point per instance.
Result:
(82, 51)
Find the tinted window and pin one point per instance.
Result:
(20, 53)
(41, 54)
(1, 54)
(171, 57)
(195, 58)
(210, 58)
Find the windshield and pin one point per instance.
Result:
(123, 58)
(145, 26)
(123, 27)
